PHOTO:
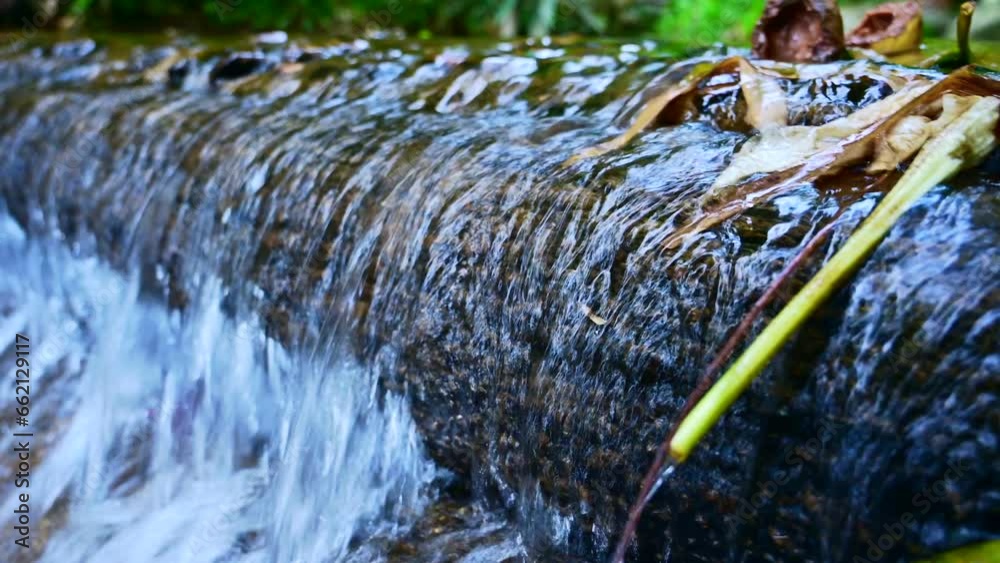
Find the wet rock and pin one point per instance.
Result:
(272, 38)
(74, 49)
(237, 66)
(799, 31)
(818, 101)
(179, 72)
(306, 55)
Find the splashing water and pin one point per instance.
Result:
(665, 473)
(191, 437)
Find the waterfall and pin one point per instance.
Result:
(190, 436)
(349, 302)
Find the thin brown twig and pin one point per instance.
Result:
(704, 382)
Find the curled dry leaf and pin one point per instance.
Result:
(799, 31)
(649, 114)
(785, 147)
(890, 29)
(903, 141)
(791, 156)
(906, 138)
(766, 103)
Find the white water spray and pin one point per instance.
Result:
(187, 438)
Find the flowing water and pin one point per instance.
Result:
(191, 437)
(345, 303)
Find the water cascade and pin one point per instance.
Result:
(286, 301)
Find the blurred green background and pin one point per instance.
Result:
(682, 21)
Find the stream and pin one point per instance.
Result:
(343, 301)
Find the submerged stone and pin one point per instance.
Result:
(237, 66)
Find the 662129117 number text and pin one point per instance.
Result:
(22, 440)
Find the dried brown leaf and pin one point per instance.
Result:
(901, 143)
(766, 103)
(799, 31)
(849, 145)
(653, 110)
(906, 138)
(785, 147)
(890, 29)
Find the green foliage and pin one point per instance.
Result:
(80, 7)
(697, 22)
(498, 18)
(308, 15)
(685, 22)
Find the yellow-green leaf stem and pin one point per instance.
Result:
(962, 32)
(986, 552)
(967, 140)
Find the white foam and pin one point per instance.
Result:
(193, 437)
